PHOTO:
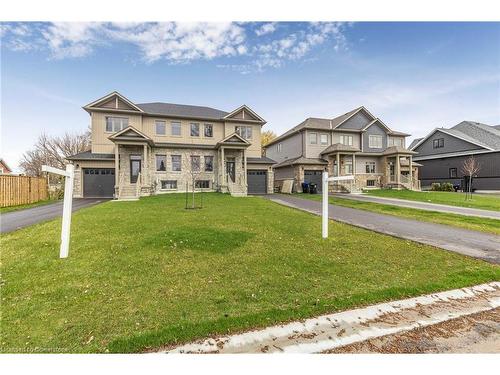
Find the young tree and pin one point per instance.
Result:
(266, 137)
(470, 168)
(192, 165)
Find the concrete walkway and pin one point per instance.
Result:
(423, 205)
(472, 243)
(15, 220)
(332, 331)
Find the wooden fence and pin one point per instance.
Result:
(16, 190)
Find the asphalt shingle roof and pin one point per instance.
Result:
(182, 110)
(87, 155)
(301, 160)
(414, 142)
(477, 132)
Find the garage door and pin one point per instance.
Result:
(257, 182)
(313, 177)
(98, 182)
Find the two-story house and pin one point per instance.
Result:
(150, 148)
(443, 152)
(355, 143)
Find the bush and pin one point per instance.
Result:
(445, 186)
(436, 186)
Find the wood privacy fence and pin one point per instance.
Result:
(16, 190)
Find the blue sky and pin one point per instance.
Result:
(414, 76)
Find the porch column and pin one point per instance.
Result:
(354, 164)
(223, 166)
(144, 172)
(411, 171)
(245, 164)
(117, 165)
(338, 163)
(398, 170)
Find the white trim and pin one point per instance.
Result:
(130, 127)
(88, 106)
(453, 154)
(445, 131)
(381, 123)
(243, 107)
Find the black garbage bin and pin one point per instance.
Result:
(313, 188)
(305, 187)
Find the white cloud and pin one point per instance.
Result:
(266, 28)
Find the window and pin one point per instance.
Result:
(323, 139)
(370, 182)
(453, 172)
(195, 129)
(391, 141)
(244, 132)
(176, 163)
(161, 127)
(438, 143)
(209, 163)
(348, 167)
(161, 162)
(279, 147)
(168, 184)
(209, 130)
(195, 163)
(313, 138)
(375, 141)
(346, 140)
(370, 167)
(202, 184)
(176, 128)
(115, 124)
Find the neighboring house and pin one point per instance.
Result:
(443, 151)
(150, 148)
(4, 168)
(355, 143)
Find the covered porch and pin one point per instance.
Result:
(232, 165)
(341, 162)
(399, 169)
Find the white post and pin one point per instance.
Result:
(69, 175)
(67, 206)
(324, 213)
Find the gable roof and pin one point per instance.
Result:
(336, 147)
(346, 116)
(5, 165)
(131, 134)
(301, 160)
(106, 98)
(244, 108)
(414, 142)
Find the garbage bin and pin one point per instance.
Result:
(305, 187)
(313, 188)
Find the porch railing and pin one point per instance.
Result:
(138, 185)
(121, 180)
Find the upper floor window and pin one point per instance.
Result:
(453, 172)
(209, 163)
(195, 163)
(313, 138)
(391, 141)
(346, 140)
(161, 127)
(323, 139)
(279, 147)
(161, 162)
(370, 167)
(115, 124)
(244, 132)
(209, 130)
(176, 163)
(195, 129)
(438, 143)
(176, 128)
(375, 141)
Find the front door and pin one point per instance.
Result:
(231, 169)
(135, 169)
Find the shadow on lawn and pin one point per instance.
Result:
(200, 238)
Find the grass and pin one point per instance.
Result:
(467, 222)
(149, 273)
(483, 202)
(4, 210)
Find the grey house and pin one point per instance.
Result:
(443, 151)
(356, 143)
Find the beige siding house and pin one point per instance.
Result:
(152, 148)
(355, 143)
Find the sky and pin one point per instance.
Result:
(413, 76)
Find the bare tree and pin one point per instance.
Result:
(470, 168)
(53, 151)
(192, 164)
(266, 137)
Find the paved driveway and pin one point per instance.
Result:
(11, 221)
(423, 205)
(475, 244)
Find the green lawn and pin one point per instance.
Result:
(147, 273)
(4, 210)
(442, 197)
(467, 222)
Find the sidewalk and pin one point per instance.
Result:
(328, 332)
(423, 205)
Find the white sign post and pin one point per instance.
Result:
(324, 204)
(69, 175)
